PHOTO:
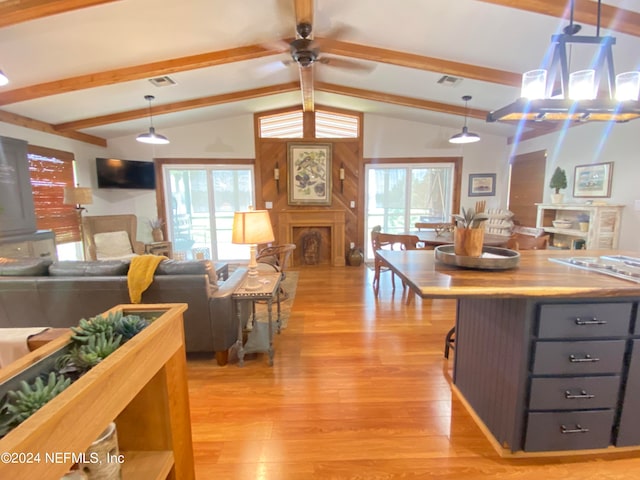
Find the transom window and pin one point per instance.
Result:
(328, 124)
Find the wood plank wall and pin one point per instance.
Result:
(345, 152)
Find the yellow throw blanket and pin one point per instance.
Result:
(141, 273)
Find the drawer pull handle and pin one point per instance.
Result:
(587, 358)
(583, 394)
(578, 429)
(593, 321)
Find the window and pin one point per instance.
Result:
(282, 125)
(398, 196)
(336, 125)
(52, 170)
(327, 125)
(201, 200)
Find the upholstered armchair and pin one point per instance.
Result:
(111, 237)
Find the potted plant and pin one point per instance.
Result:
(156, 229)
(469, 232)
(558, 182)
(583, 222)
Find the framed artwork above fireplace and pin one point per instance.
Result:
(309, 173)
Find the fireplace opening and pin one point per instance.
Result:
(311, 242)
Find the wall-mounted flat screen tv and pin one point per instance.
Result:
(118, 173)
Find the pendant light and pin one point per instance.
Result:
(553, 94)
(465, 136)
(151, 136)
(3, 79)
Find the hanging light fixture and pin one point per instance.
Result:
(556, 95)
(151, 136)
(465, 136)
(3, 79)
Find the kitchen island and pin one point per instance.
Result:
(547, 355)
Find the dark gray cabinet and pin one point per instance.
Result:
(546, 374)
(17, 215)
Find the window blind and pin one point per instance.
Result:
(51, 171)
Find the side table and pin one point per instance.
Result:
(159, 248)
(260, 337)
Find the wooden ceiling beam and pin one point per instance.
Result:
(401, 100)
(585, 12)
(26, 122)
(304, 11)
(306, 84)
(411, 60)
(177, 107)
(137, 72)
(18, 11)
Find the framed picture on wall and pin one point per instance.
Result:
(593, 180)
(309, 173)
(482, 184)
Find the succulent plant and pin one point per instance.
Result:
(469, 218)
(84, 356)
(130, 325)
(23, 403)
(95, 326)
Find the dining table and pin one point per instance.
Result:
(433, 238)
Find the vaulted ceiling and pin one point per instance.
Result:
(81, 68)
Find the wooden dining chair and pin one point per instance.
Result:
(390, 241)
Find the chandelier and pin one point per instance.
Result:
(554, 94)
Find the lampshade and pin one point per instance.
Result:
(77, 196)
(151, 136)
(3, 79)
(465, 136)
(252, 227)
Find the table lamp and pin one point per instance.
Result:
(251, 228)
(78, 196)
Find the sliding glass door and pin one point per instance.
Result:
(201, 201)
(399, 195)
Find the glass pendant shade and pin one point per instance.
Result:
(3, 79)
(627, 86)
(534, 84)
(582, 85)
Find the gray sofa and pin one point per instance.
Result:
(36, 292)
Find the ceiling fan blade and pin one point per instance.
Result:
(335, 33)
(347, 64)
(278, 45)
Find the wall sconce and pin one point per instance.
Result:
(276, 177)
(342, 177)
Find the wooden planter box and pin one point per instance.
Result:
(142, 386)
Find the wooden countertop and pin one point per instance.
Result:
(535, 276)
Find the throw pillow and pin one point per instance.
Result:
(113, 245)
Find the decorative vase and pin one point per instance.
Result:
(557, 197)
(355, 257)
(468, 241)
(157, 235)
(102, 457)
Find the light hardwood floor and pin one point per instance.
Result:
(359, 390)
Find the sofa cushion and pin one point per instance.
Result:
(24, 267)
(110, 245)
(188, 267)
(101, 268)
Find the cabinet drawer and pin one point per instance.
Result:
(568, 430)
(584, 320)
(574, 393)
(44, 248)
(578, 358)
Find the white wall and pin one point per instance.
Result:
(390, 137)
(597, 143)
